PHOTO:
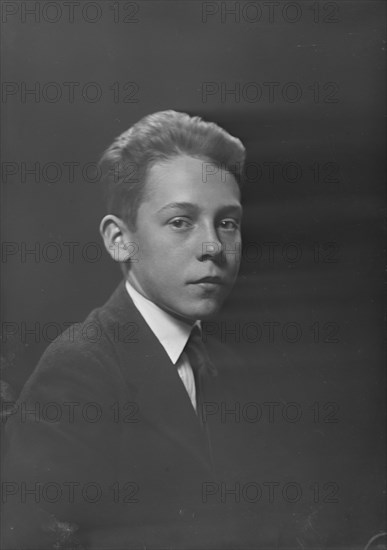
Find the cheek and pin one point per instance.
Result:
(161, 261)
(165, 251)
(149, 248)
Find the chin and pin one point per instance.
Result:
(206, 311)
(196, 310)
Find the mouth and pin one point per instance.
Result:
(209, 281)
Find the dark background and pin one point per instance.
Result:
(335, 219)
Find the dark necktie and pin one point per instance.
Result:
(201, 365)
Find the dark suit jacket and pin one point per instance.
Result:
(113, 455)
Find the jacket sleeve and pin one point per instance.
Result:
(61, 443)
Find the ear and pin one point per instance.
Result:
(117, 238)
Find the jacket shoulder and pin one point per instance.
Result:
(84, 355)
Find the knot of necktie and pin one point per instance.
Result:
(198, 356)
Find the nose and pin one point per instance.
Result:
(210, 246)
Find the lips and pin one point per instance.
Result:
(211, 280)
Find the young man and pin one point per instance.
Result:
(120, 451)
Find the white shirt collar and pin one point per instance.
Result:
(172, 333)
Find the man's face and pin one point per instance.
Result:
(188, 237)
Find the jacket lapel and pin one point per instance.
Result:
(160, 393)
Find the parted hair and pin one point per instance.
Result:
(157, 138)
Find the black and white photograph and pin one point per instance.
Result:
(193, 275)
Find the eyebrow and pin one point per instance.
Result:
(189, 206)
(171, 205)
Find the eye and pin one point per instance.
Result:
(229, 224)
(180, 223)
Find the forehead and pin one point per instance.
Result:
(194, 178)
